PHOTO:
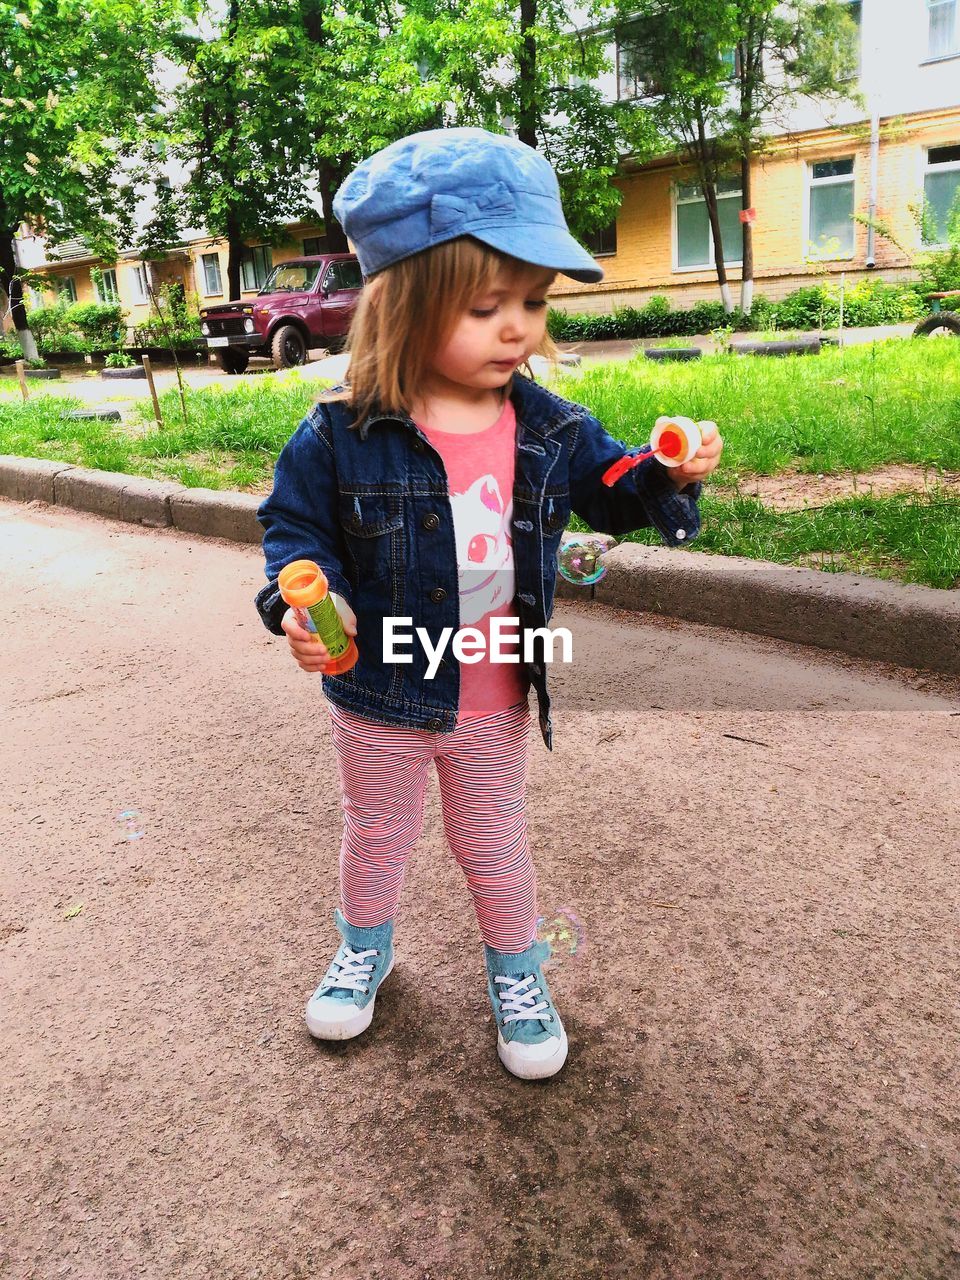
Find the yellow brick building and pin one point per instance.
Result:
(912, 152)
(199, 265)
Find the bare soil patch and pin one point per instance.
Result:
(793, 490)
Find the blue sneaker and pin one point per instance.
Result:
(342, 1005)
(531, 1041)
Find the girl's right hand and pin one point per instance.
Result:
(310, 654)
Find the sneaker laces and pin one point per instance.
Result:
(353, 975)
(520, 1003)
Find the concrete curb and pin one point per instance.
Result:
(911, 626)
(158, 504)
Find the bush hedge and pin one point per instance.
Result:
(868, 302)
(79, 327)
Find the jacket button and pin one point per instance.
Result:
(432, 521)
(434, 725)
(437, 595)
(552, 522)
(355, 521)
(418, 446)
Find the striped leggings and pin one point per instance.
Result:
(482, 770)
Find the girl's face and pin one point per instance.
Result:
(497, 333)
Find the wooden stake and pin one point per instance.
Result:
(23, 379)
(153, 391)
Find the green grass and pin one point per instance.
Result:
(907, 537)
(893, 402)
(231, 442)
(858, 409)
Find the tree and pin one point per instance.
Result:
(726, 75)
(77, 86)
(534, 65)
(244, 179)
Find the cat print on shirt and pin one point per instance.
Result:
(481, 521)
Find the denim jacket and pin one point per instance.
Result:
(370, 505)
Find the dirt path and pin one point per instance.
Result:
(792, 490)
(760, 840)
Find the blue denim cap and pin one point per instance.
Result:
(437, 186)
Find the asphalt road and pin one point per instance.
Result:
(760, 841)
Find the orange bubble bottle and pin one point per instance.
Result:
(304, 586)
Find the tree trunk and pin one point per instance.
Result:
(706, 171)
(746, 279)
(11, 286)
(750, 53)
(234, 254)
(527, 76)
(713, 213)
(328, 179)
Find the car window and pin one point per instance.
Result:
(350, 275)
(331, 283)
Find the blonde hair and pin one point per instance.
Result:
(407, 312)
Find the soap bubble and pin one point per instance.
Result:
(130, 822)
(580, 559)
(563, 931)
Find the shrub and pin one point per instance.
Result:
(119, 360)
(64, 342)
(100, 322)
(869, 302)
(157, 333)
(46, 321)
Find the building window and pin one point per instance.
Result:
(255, 265)
(212, 283)
(604, 241)
(941, 195)
(943, 28)
(107, 288)
(141, 283)
(66, 289)
(636, 62)
(830, 227)
(694, 239)
(314, 245)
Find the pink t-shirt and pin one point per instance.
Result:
(480, 467)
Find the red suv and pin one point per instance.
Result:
(307, 302)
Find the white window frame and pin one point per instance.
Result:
(946, 166)
(202, 266)
(807, 247)
(955, 50)
(268, 265)
(141, 279)
(675, 200)
(67, 285)
(110, 292)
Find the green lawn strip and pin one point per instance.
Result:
(231, 441)
(860, 409)
(909, 538)
(896, 401)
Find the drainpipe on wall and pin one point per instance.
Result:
(874, 178)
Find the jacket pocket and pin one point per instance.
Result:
(372, 526)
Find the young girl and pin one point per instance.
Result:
(435, 488)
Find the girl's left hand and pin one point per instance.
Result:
(703, 461)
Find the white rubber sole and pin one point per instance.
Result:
(533, 1061)
(339, 1019)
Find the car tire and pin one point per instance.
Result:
(233, 359)
(288, 347)
(943, 321)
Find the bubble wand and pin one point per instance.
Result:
(673, 440)
(304, 587)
